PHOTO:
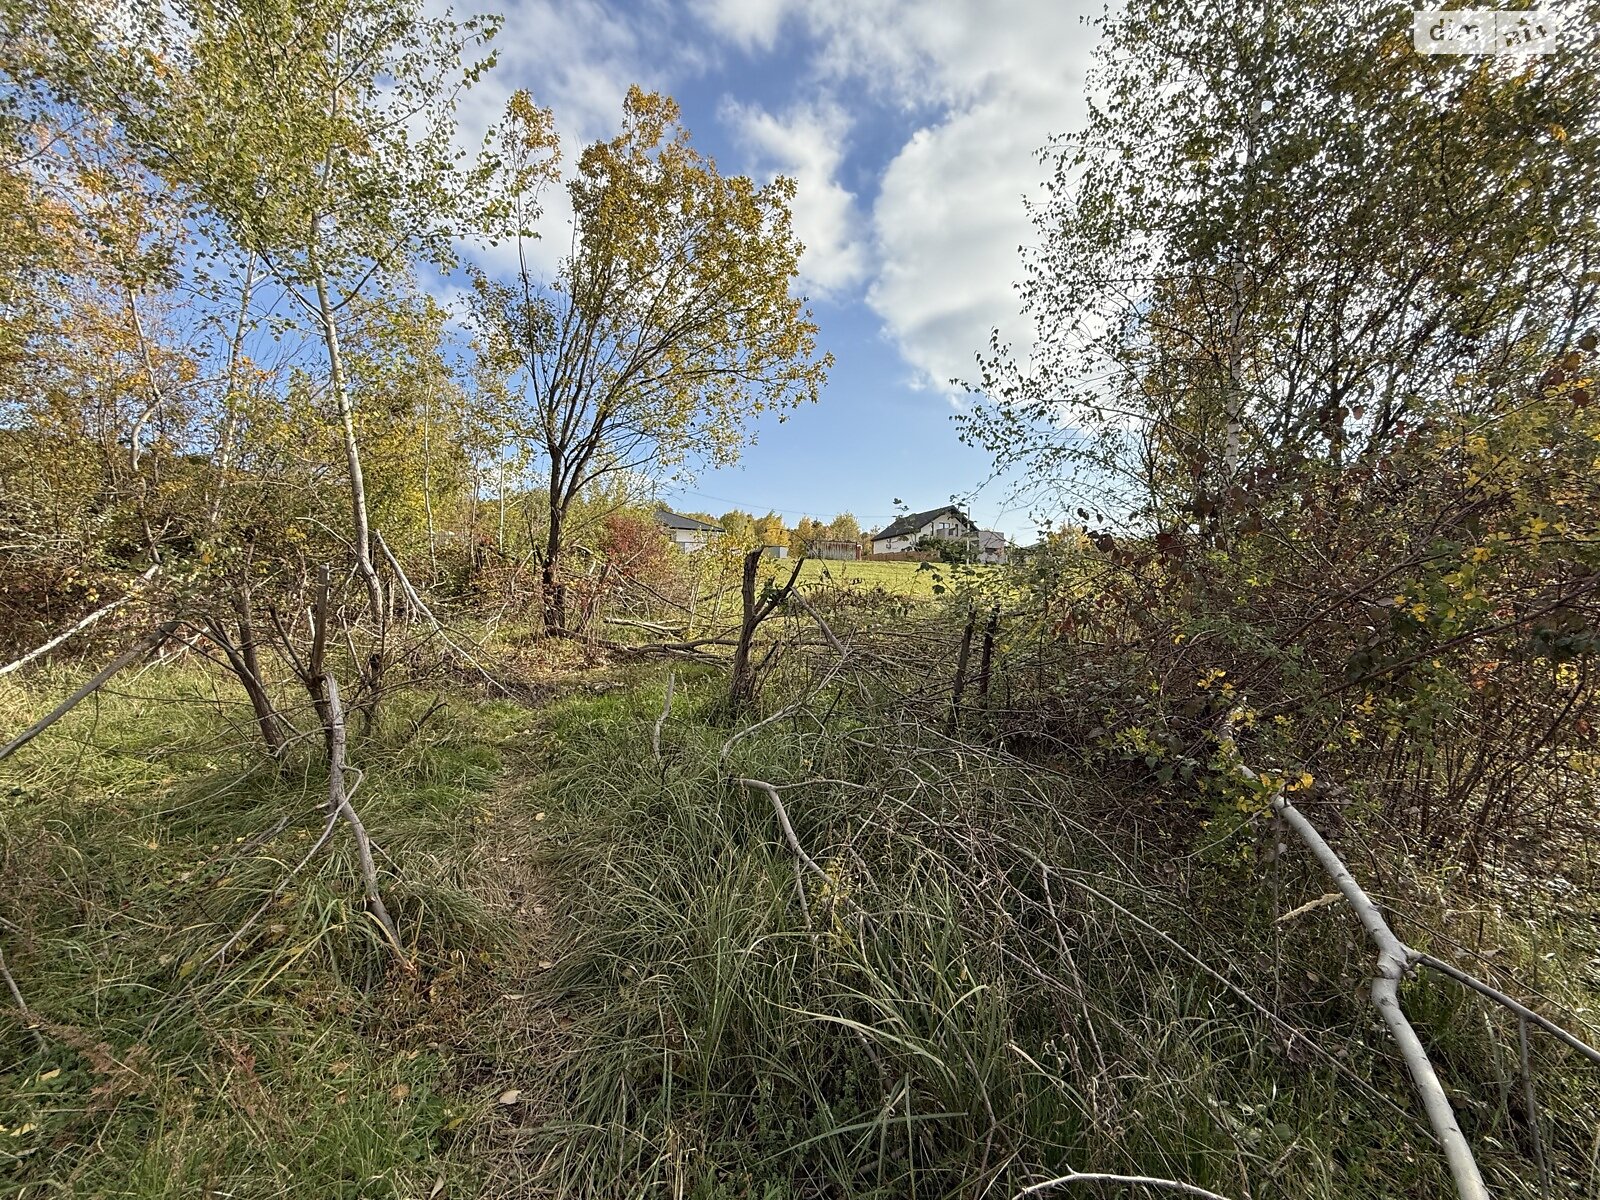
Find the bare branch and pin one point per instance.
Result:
(1499, 997)
(783, 823)
(87, 621)
(1171, 1185)
(666, 711)
(142, 647)
(339, 802)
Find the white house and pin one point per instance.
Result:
(948, 523)
(689, 533)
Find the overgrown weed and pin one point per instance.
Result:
(987, 990)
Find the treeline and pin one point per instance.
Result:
(223, 348)
(750, 530)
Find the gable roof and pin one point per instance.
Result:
(912, 522)
(672, 520)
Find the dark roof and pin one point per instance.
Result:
(912, 522)
(672, 520)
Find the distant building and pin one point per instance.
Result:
(775, 552)
(991, 546)
(847, 549)
(948, 524)
(689, 533)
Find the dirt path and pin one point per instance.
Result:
(521, 1032)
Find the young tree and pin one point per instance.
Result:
(805, 533)
(770, 531)
(667, 328)
(318, 132)
(843, 528)
(738, 527)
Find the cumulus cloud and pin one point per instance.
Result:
(807, 144)
(950, 217)
(749, 24)
(987, 82)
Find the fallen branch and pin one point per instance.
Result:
(783, 823)
(16, 995)
(87, 621)
(145, 644)
(1394, 960)
(787, 710)
(438, 626)
(339, 802)
(688, 649)
(827, 632)
(1499, 997)
(1171, 1185)
(666, 711)
(671, 630)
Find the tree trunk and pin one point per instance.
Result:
(230, 422)
(352, 450)
(742, 684)
(552, 588)
(427, 487)
(960, 684)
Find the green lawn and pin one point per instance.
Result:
(900, 578)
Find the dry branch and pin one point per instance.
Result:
(16, 996)
(783, 823)
(339, 802)
(1394, 960)
(1499, 997)
(679, 631)
(438, 627)
(83, 624)
(827, 631)
(666, 711)
(1171, 1185)
(693, 649)
(145, 644)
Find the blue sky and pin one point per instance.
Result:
(911, 129)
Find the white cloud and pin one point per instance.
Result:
(749, 24)
(950, 217)
(991, 80)
(807, 144)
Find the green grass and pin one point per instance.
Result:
(307, 1063)
(946, 1026)
(913, 579)
(941, 1017)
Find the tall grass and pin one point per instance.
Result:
(1005, 974)
(970, 1002)
(137, 837)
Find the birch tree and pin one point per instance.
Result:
(320, 134)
